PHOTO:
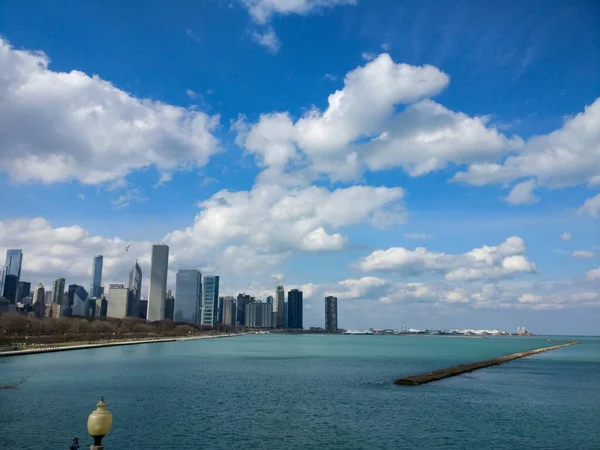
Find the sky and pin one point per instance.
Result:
(429, 163)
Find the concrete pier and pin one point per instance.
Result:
(453, 371)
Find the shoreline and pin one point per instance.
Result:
(65, 348)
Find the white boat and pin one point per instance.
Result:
(358, 332)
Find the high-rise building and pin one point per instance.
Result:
(48, 299)
(294, 309)
(96, 290)
(169, 307)
(228, 311)
(81, 304)
(101, 307)
(58, 289)
(23, 290)
(135, 290)
(188, 294)
(71, 295)
(118, 301)
(143, 310)
(210, 300)
(158, 282)
(331, 322)
(259, 315)
(279, 307)
(270, 300)
(12, 274)
(285, 321)
(242, 301)
(39, 300)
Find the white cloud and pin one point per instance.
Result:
(593, 275)
(417, 236)
(368, 56)
(591, 206)
(330, 77)
(568, 156)
(583, 254)
(60, 126)
(128, 196)
(191, 94)
(267, 38)
(262, 10)
(566, 236)
(522, 194)
(486, 262)
(81, 196)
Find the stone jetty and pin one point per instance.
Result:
(453, 371)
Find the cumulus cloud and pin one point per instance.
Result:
(361, 129)
(522, 194)
(568, 156)
(267, 38)
(583, 254)
(262, 10)
(60, 126)
(566, 236)
(480, 263)
(593, 275)
(591, 206)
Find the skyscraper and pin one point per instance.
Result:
(229, 311)
(135, 290)
(295, 309)
(259, 315)
(158, 282)
(23, 290)
(39, 300)
(96, 290)
(118, 300)
(242, 301)
(210, 300)
(188, 291)
(58, 289)
(12, 274)
(169, 307)
(270, 300)
(331, 314)
(71, 295)
(279, 307)
(80, 305)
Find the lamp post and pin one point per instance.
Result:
(98, 424)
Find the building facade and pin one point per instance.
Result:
(242, 301)
(259, 315)
(188, 295)
(12, 274)
(294, 309)
(96, 288)
(81, 304)
(279, 307)
(118, 301)
(135, 290)
(228, 307)
(58, 289)
(23, 290)
(158, 282)
(169, 308)
(210, 300)
(331, 315)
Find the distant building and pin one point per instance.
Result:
(135, 290)
(23, 290)
(188, 291)
(96, 288)
(143, 309)
(52, 310)
(331, 315)
(71, 295)
(12, 274)
(259, 315)
(294, 311)
(228, 311)
(101, 307)
(279, 307)
(270, 300)
(81, 304)
(285, 319)
(169, 307)
(58, 289)
(158, 282)
(48, 297)
(210, 300)
(242, 301)
(39, 294)
(118, 301)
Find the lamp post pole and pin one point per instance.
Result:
(99, 423)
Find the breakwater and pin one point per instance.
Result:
(453, 371)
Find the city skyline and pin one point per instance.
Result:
(436, 166)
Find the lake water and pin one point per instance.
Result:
(307, 392)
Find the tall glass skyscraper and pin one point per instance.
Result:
(135, 290)
(279, 307)
(188, 292)
(12, 274)
(58, 291)
(210, 300)
(96, 290)
(331, 314)
(158, 282)
(295, 309)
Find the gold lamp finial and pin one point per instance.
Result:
(99, 421)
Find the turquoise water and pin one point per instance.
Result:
(307, 392)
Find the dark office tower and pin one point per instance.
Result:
(242, 301)
(12, 274)
(279, 308)
(331, 314)
(143, 309)
(135, 290)
(188, 293)
(96, 290)
(169, 308)
(220, 311)
(71, 295)
(295, 309)
(23, 290)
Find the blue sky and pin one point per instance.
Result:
(457, 125)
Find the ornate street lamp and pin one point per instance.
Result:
(99, 423)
